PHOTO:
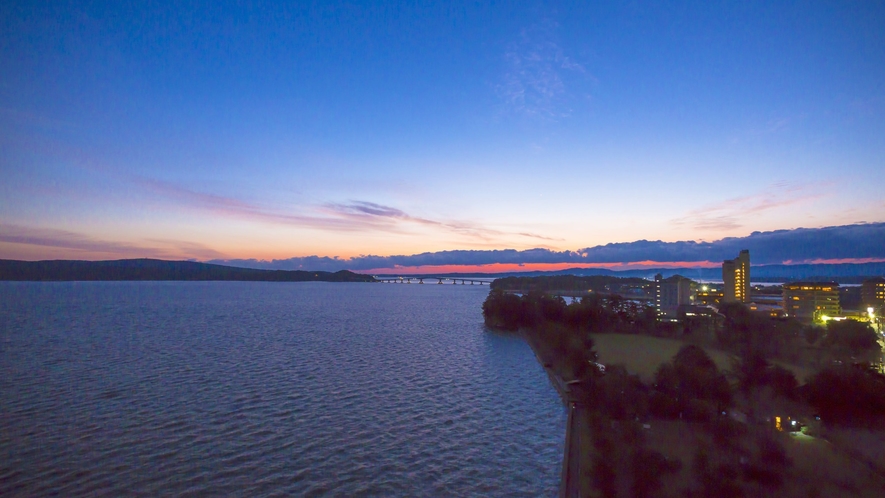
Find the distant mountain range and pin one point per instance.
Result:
(155, 269)
(846, 273)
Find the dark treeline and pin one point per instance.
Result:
(735, 448)
(154, 269)
(596, 283)
(753, 340)
(593, 313)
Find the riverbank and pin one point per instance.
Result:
(577, 434)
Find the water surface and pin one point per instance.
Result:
(263, 389)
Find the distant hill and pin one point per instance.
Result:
(845, 273)
(595, 283)
(155, 269)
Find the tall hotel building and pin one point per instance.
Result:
(736, 278)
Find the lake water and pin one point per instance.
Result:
(263, 389)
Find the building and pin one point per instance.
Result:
(811, 301)
(700, 321)
(736, 279)
(709, 294)
(872, 293)
(767, 309)
(671, 294)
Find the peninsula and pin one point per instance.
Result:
(155, 269)
(749, 404)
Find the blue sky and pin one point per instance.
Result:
(220, 131)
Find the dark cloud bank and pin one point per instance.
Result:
(799, 245)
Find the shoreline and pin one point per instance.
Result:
(570, 481)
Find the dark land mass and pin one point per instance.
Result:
(155, 269)
(844, 273)
(594, 283)
(695, 428)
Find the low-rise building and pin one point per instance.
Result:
(700, 320)
(709, 294)
(671, 293)
(768, 309)
(872, 293)
(811, 301)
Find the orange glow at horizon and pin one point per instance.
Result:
(515, 267)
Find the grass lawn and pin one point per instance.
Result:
(821, 470)
(817, 470)
(642, 354)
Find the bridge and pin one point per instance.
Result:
(439, 280)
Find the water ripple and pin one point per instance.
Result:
(266, 389)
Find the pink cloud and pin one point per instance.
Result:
(835, 261)
(731, 214)
(86, 247)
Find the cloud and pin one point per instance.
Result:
(371, 209)
(229, 206)
(534, 82)
(849, 243)
(731, 214)
(361, 210)
(355, 215)
(89, 246)
(846, 243)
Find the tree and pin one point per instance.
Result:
(649, 467)
(750, 371)
(550, 308)
(715, 481)
(503, 310)
(848, 395)
(620, 395)
(699, 377)
(851, 335)
(811, 333)
(782, 381)
(694, 382)
(769, 464)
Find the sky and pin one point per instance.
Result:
(346, 135)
